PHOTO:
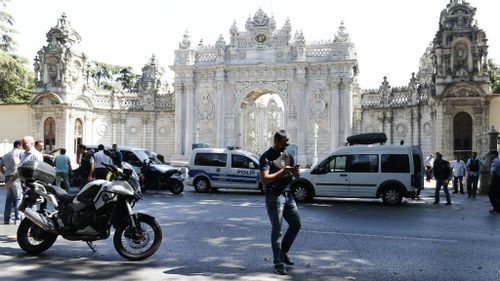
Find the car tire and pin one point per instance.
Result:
(302, 192)
(392, 195)
(201, 185)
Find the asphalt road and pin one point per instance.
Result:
(225, 236)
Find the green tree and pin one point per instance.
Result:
(16, 81)
(128, 78)
(494, 72)
(7, 42)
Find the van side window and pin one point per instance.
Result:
(338, 163)
(211, 159)
(395, 163)
(363, 163)
(242, 162)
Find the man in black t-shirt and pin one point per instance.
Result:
(442, 174)
(86, 169)
(277, 169)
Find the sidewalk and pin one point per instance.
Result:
(427, 195)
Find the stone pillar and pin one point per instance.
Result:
(220, 108)
(303, 113)
(179, 120)
(334, 115)
(189, 124)
(484, 187)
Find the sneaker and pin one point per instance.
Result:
(6, 222)
(493, 211)
(455, 191)
(279, 269)
(461, 192)
(435, 203)
(447, 204)
(287, 260)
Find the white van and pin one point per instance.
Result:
(370, 171)
(213, 168)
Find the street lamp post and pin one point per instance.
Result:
(316, 131)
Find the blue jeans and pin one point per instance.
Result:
(279, 207)
(439, 183)
(13, 198)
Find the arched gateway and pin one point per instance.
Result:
(237, 93)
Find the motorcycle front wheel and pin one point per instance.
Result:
(140, 243)
(32, 239)
(176, 186)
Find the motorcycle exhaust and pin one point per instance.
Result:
(39, 220)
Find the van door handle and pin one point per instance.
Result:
(343, 175)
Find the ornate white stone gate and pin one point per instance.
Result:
(216, 88)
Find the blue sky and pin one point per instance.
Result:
(390, 35)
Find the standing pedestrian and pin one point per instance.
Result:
(458, 169)
(100, 159)
(277, 169)
(428, 163)
(494, 193)
(63, 168)
(117, 156)
(30, 153)
(442, 173)
(13, 197)
(473, 166)
(86, 169)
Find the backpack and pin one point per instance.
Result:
(474, 165)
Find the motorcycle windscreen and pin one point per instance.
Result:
(121, 187)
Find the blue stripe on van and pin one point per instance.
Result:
(225, 177)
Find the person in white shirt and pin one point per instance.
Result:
(458, 167)
(100, 158)
(428, 163)
(30, 154)
(8, 166)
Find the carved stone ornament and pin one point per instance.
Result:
(427, 128)
(401, 130)
(102, 129)
(317, 108)
(206, 108)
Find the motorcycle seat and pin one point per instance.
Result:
(60, 193)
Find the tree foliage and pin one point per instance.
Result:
(108, 76)
(7, 42)
(16, 81)
(494, 72)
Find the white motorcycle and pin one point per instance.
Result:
(86, 216)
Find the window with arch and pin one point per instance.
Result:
(78, 137)
(49, 133)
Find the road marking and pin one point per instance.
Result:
(382, 236)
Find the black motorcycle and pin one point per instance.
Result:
(161, 177)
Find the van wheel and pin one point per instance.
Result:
(302, 192)
(392, 195)
(201, 185)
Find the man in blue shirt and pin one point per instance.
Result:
(494, 193)
(63, 166)
(277, 169)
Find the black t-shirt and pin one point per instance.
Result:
(273, 161)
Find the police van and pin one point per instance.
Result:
(390, 172)
(231, 167)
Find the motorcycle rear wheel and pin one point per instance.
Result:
(32, 239)
(138, 248)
